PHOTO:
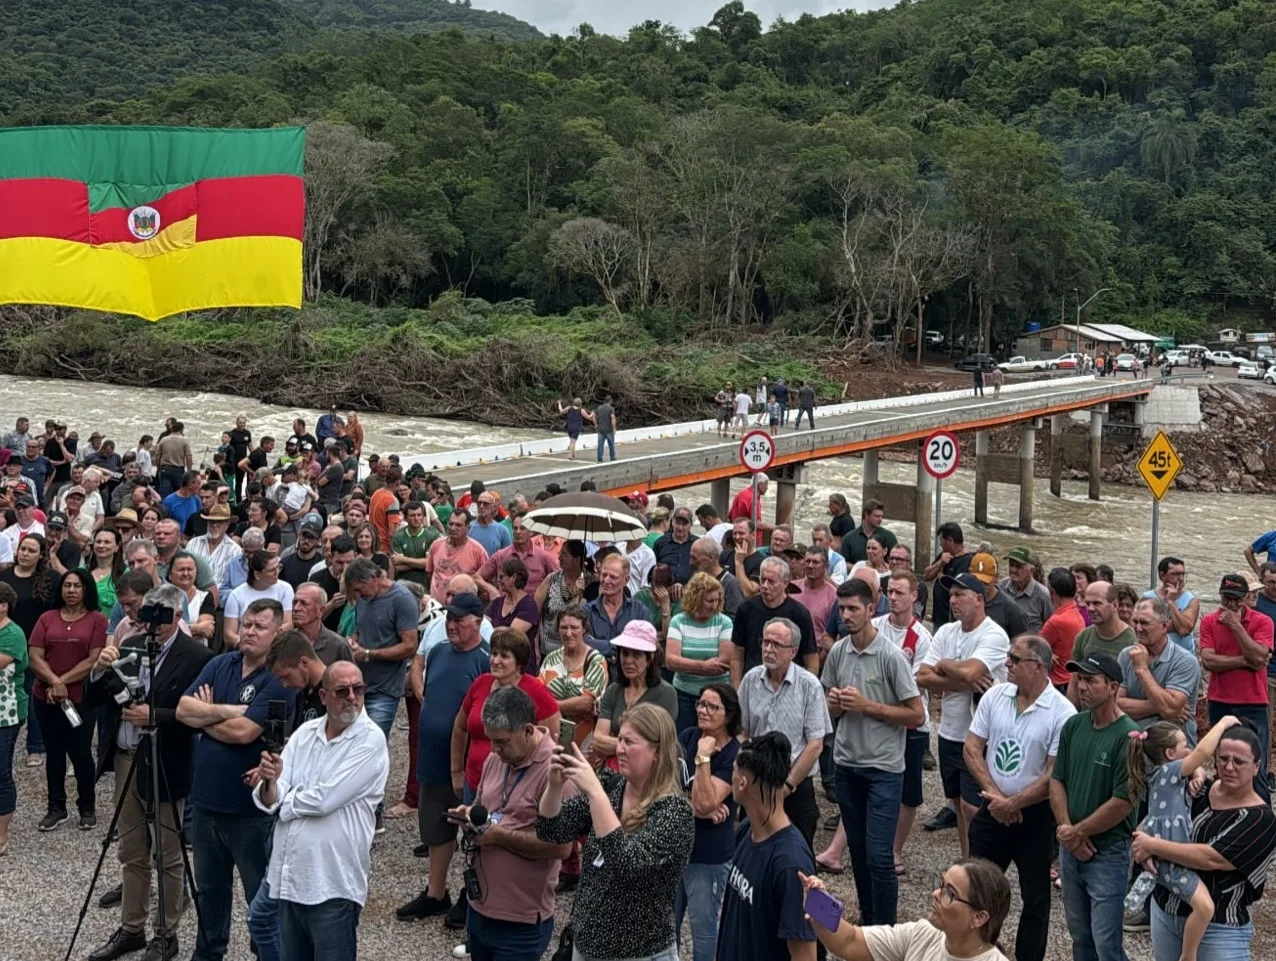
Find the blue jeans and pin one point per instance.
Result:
(35, 740)
(491, 939)
(263, 923)
(784, 414)
(1256, 714)
(700, 894)
(8, 791)
(608, 440)
(1222, 942)
(382, 708)
(687, 711)
(319, 932)
(221, 843)
(869, 800)
(1093, 892)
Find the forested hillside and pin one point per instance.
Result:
(414, 15)
(1001, 159)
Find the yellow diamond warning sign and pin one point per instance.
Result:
(1159, 465)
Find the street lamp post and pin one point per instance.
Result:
(1080, 307)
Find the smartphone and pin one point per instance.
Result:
(824, 909)
(566, 734)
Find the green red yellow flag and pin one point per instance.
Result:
(151, 221)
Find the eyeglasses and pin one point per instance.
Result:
(1228, 760)
(1016, 659)
(708, 707)
(343, 693)
(766, 642)
(948, 894)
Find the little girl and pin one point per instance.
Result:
(1161, 754)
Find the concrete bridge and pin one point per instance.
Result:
(672, 456)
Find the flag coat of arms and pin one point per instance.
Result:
(151, 221)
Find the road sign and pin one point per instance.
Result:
(1159, 465)
(757, 450)
(940, 454)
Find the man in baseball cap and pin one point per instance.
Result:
(1097, 662)
(996, 605)
(1236, 647)
(1021, 586)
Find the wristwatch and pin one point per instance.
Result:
(702, 759)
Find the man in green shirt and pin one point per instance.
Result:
(1107, 632)
(1092, 809)
(410, 546)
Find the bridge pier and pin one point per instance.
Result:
(1027, 476)
(1056, 454)
(720, 495)
(1096, 448)
(981, 477)
(923, 513)
(869, 481)
(786, 480)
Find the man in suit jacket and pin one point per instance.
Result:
(124, 735)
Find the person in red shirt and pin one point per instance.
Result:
(1062, 627)
(382, 504)
(1236, 644)
(511, 653)
(742, 506)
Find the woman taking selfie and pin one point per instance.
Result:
(65, 643)
(967, 910)
(640, 830)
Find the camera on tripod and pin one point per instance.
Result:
(154, 616)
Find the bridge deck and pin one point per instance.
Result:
(693, 453)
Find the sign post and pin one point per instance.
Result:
(757, 452)
(1158, 467)
(940, 456)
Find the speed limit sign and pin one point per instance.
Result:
(757, 451)
(940, 454)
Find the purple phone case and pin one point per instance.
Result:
(824, 909)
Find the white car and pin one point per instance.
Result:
(1125, 362)
(1176, 358)
(1224, 358)
(1022, 365)
(1248, 370)
(1270, 376)
(1066, 362)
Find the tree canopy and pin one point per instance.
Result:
(994, 161)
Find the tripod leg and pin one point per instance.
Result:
(106, 846)
(187, 873)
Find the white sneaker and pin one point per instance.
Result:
(460, 951)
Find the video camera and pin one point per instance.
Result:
(154, 616)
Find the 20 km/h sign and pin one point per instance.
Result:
(940, 454)
(1159, 465)
(757, 451)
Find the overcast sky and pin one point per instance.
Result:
(617, 16)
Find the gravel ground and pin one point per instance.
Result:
(44, 878)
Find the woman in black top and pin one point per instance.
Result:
(32, 581)
(575, 419)
(1232, 848)
(641, 830)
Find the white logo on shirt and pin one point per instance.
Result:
(247, 694)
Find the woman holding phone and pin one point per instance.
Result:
(967, 910)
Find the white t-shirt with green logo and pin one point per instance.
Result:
(1019, 744)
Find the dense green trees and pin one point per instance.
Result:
(984, 162)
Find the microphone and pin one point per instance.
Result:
(479, 819)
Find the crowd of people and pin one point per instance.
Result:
(648, 724)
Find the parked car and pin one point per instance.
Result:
(1125, 362)
(934, 338)
(1223, 358)
(1022, 365)
(1176, 358)
(976, 362)
(1264, 351)
(1249, 371)
(1066, 362)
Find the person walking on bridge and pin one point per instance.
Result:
(604, 419)
(806, 405)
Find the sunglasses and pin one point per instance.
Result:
(343, 693)
(1016, 659)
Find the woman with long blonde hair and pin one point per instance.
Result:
(641, 828)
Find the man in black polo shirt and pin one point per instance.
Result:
(292, 659)
(855, 544)
(953, 561)
(1002, 609)
(674, 548)
(771, 601)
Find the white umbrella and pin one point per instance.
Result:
(585, 516)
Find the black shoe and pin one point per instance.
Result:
(119, 944)
(112, 897)
(944, 819)
(567, 883)
(421, 851)
(161, 948)
(88, 821)
(832, 821)
(51, 820)
(455, 918)
(928, 761)
(424, 906)
(380, 825)
(830, 793)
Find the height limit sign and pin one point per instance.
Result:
(757, 451)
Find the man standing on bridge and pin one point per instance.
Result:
(806, 405)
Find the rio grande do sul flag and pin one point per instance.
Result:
(151, 221)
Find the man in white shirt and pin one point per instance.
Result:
(24, 507)
(218, 551)
(1010, 752)
(901, 627)
(967, 657)
(325, 789)
(714, 526)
